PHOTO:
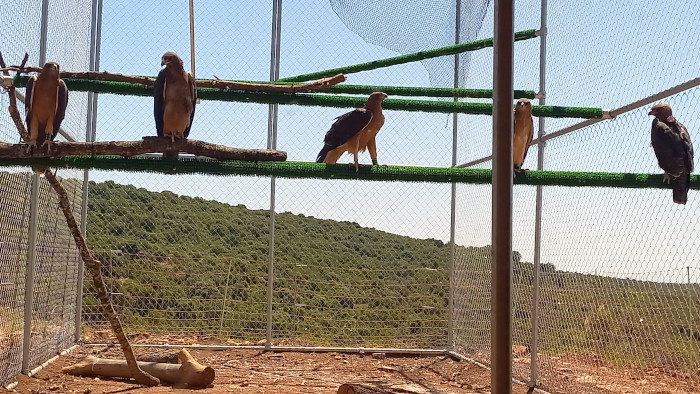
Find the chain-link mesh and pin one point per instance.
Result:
(358, 264)
(618, 274)
(56, 263)
(201, 266)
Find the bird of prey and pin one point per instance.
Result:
(175, 97)
(45, 105)
(673, 149)
(354, 132)
(522, 133)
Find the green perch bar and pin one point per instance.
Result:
(324, 100)
(290, 169)
(411, 57)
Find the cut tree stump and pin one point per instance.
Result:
(189, 372)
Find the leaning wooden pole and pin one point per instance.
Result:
(92, 265)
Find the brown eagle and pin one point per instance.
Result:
(673, 149)
(175, 97)
(354, 132)
(522, 132)
(45, 105)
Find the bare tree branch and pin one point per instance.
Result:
(146, 145)
(93, 267)
(212, 83)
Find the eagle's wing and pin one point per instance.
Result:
(674, 151)
(345, 127)
(193, 95)
(28, 101)
(61, 106)
(530, 133)
(159, 101)
(670, 146)
(687, 147)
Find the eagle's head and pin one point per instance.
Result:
(376, 98)
(170, 57)
(662, 111)
(523, 104)
(51, 68)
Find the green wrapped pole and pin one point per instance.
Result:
(88, 85)
(287, 169)
(408, 58)
(325, 100)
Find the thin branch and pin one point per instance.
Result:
(94, 267)
(146, 145)
(14, 113)
(211, 83)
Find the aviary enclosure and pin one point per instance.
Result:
(391, 259)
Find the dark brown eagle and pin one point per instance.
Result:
(673, 149)
(175, 97)
(354, 132)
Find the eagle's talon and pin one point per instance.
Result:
(47, 143)
(31, 144)
(668, 178)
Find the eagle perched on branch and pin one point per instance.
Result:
(45, 105)
(674, 151)
(522, 133)
(354, 132)
(175, 97)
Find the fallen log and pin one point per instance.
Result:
(146, 145)
(360, 389)
(189, 372)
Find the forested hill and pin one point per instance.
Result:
(139, 221)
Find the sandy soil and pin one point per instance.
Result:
(252, 371)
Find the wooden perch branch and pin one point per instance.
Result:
(189, 372)
(146, 145)
(14, 113)
(211, 83)
(93, 267)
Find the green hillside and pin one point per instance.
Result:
(188, 265)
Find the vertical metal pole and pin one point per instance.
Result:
(453, 201)
(502, 199)
(29, 274)
(272, 144)
(90, 131)
(192, 37)
(33, 222)
(534, 338)
(687, 269)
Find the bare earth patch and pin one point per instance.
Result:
(253, 371)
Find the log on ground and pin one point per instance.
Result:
(189, 372)
(361, 389)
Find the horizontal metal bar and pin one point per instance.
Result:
(471, 360)
(49, 361)
(314, 349)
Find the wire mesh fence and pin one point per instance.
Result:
(367, 264)
(55, 266)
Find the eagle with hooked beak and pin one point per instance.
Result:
(175, 98)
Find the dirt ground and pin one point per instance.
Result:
(253, 371)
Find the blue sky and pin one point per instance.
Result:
(600, 54)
